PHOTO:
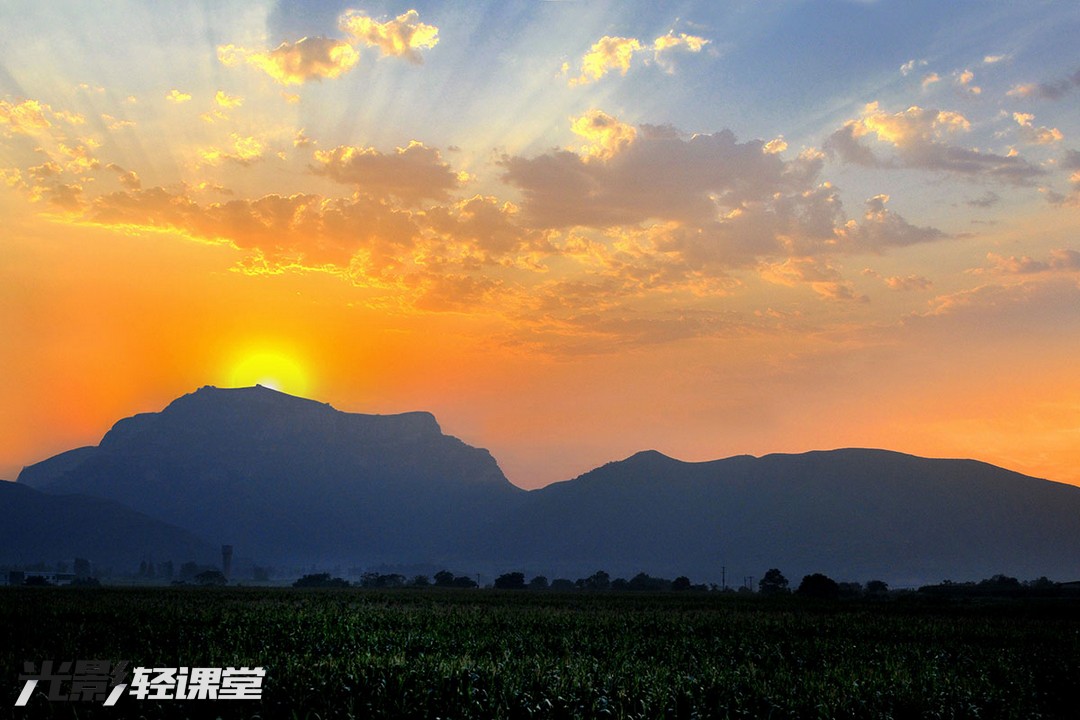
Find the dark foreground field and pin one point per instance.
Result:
(486, 654)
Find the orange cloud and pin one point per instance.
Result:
(176, 97)
(616, 53)
(244, 151)
(127, 178)
(308, 230)
(909, 282)
(607, 135)
(1061, 259)
(310, 58)
(227, 101)
(1037, 135)
(404, 36)
(608, 53)
(921, 138)
(31, 117)
(411, 174)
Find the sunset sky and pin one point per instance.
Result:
(571, 230)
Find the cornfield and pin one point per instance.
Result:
(488, 654)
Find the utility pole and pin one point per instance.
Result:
(723, 577)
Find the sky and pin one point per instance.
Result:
(571, 230)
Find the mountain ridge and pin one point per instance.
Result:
(291, 480)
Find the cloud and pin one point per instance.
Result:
(659, 175)
(608, 53)
(244, 151)
(78, 159)
(65, 196)
(671, 42)
(994, 59)
(302, 140)
(486, 229)
(965, 80)
(908, 283)
(403, 36)
(45, 170)
(1036, 135)
(227, 101)
(1047, 90)
(920, 139)
(113, 124)
(31, 117)
(908, 67)
(1071, 160)
(822, 278)
(127, 178)
(1062, 259)
(881, 228)
(776, 145)
(607, 135)
(310, 58)
(987, 199)
(309, 230)
(176, 97)
(411, 174)
(699, 205)
(616, 53)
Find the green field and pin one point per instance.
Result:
(488, 654)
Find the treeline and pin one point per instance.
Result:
(772, 584)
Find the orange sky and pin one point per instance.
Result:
(572, 233)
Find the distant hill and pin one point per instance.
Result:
(290, 479)
(37, 526)
(852, 513)
(293, 482)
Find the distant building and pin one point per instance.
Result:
(226, 560)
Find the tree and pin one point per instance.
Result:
(647, 583)
(877, 588)
(188, 570)
(510, 581)
(538, 583)
(818, 586)
(850, 589)
(599, 580)
(444, 578)
(375, 580)
(773, 583)
(680, 583)
(209, 578)
(420, 581)
(320, 580)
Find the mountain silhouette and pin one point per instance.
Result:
(290, 479)
(291, 482)
(854, 513)
(40, 527)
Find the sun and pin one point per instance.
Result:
(274, 370)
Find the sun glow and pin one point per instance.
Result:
(274, 370)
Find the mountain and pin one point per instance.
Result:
(291, 480)
(851, 513)
(41, 527)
